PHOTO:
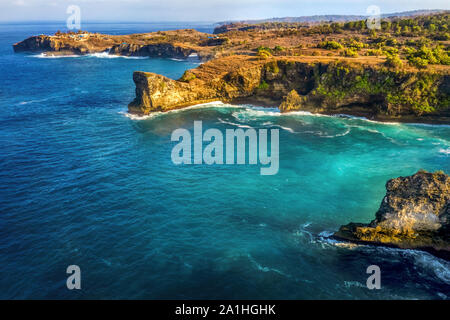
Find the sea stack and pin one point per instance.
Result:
(414, 214)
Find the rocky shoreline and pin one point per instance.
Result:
(302, 84)
(317, 68)
(168, 44)
(414, 214)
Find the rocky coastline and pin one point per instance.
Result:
(329, 68)
(360, 74)
(168, 44)
(302, 84)
(414, 214)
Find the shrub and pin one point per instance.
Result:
(272, 67)
(375, 52)
(354, 44)
(390, 51)
(425, 55)
(418, 62)
(263, 85)
(393, 61)
(264, 53)
(330, 45)
(187, 76)
(260, 48)
(441, 55)
(349, 53)
(442, 36)
(391, 42)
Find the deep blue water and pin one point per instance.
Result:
(83, 183)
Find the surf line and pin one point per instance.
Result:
(235, 153)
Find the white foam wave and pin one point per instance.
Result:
(213, 104)
(22, 103)
(138, 117)
(423, 260)
(301, 232)
(439, 267)
(346, 132)
(445, 151)
(428, 125)
(50, 56)
(107, 55)
(358, 284)
(234, 124)
(102, 55)
(264, 268)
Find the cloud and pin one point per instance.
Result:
(19, 3)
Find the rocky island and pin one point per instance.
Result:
(414, 214)
(400, 72)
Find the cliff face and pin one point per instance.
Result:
(299, 84)
(166, 50)
(376, 92)
(168, 44)
(209, 82)
(75, 44)
(414, 214)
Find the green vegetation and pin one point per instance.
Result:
(272, 67)
(417, 92)
(354, 44)
(263, 85)
(330, 45)
(375, 52)
(264, 52)
(279, 49)
(349, 53)
(424, 56)
(187, 76)
(393, 61)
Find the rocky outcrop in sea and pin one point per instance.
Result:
(414, 214)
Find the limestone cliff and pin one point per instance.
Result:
(414, 214)
(301, 83)
(210, 82)
(168, 44)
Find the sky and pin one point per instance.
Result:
(198, 10)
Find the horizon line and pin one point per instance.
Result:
(211, 22)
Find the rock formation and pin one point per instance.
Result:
(302, 83)
(168, 44)
(414, 214)
(322, 68)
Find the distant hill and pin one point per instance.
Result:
(333, 18)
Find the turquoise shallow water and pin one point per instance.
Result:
(82, 182)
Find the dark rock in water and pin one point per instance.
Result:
(414, 214)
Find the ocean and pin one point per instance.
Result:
(84, 183)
